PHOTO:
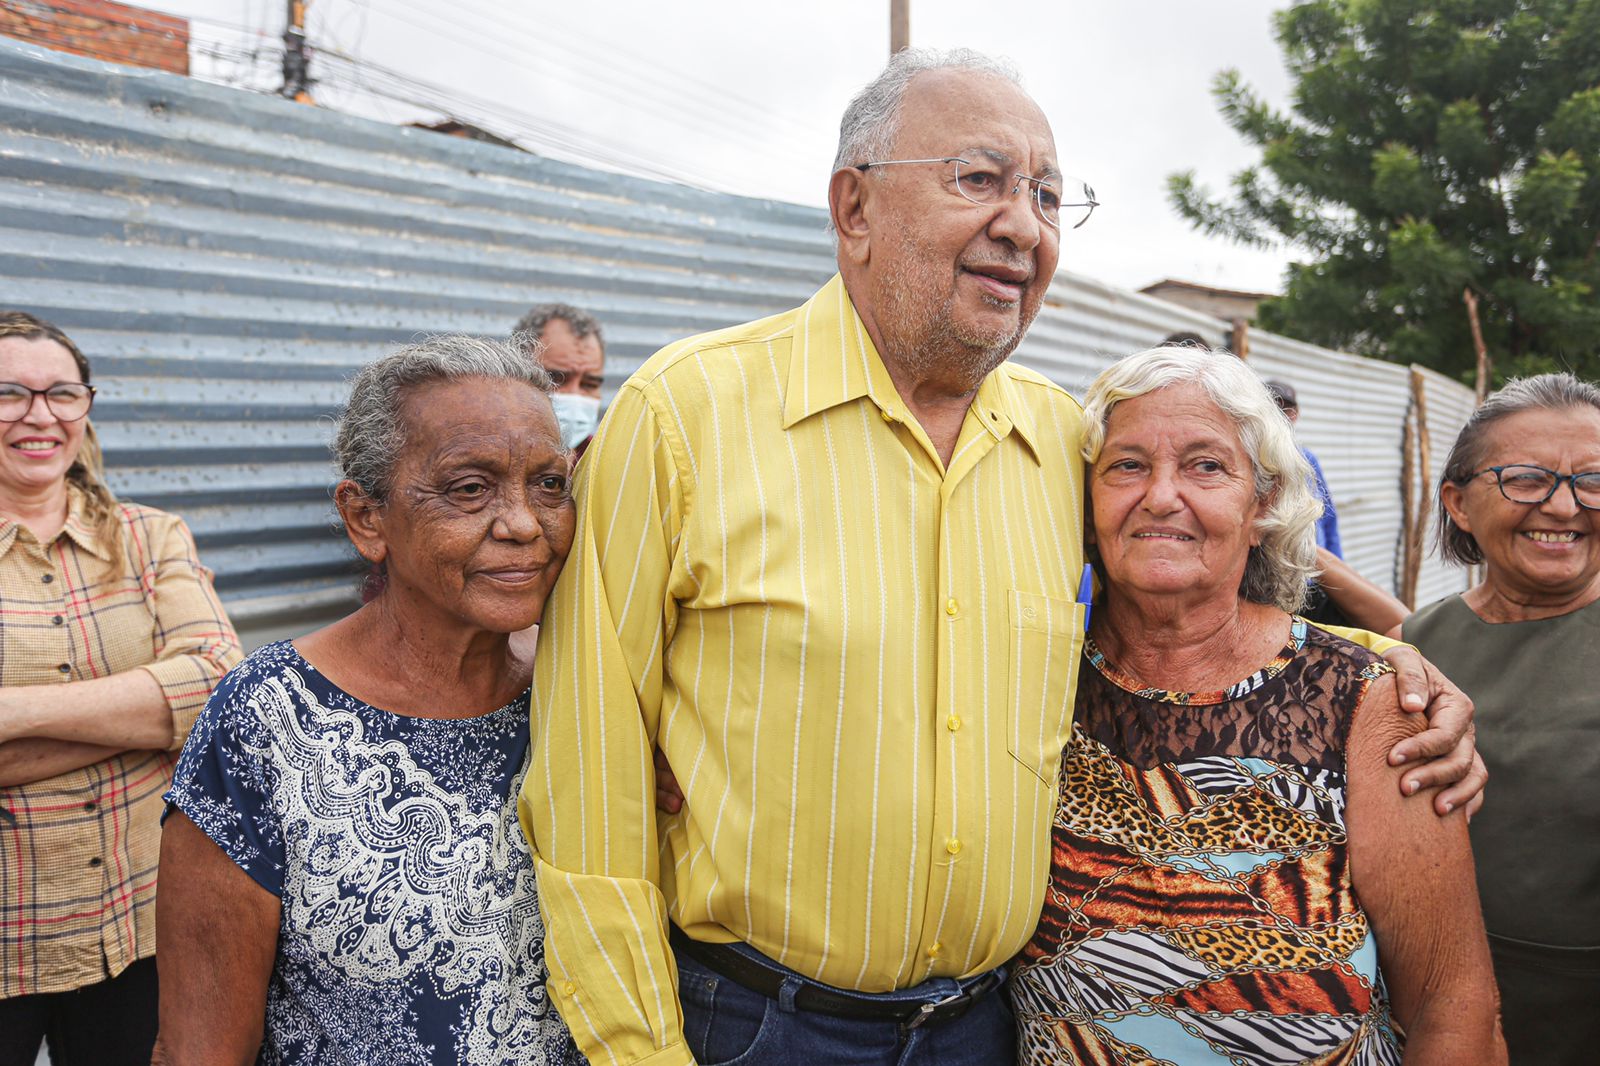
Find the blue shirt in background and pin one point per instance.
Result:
(1328, 524)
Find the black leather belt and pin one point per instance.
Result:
(767, 978)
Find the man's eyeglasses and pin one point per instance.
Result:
(1525, 483)
(986, 182)
(67, 400)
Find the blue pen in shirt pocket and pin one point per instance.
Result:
(1086, 593)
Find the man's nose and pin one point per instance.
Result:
(1016, 221)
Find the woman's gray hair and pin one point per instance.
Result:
(871, 121)
(1542, 392)
(1279, 566)
(372, 431)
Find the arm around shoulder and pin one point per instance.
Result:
(1413, 875)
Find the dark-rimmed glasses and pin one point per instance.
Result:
(985, 182)
(1526, 483)
(67, 400)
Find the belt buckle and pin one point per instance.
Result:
(926, 1010)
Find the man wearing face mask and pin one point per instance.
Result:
(574, 355)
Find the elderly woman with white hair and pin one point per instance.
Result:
(1236, 877)
(343, 879)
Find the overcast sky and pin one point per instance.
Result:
(746, 96)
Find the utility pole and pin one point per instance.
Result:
(899, 25)
(296, 63)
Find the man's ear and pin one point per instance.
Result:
(363, 521)
(848, 191)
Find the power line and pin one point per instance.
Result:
(585, 80)
(709, 94)
(441, 100)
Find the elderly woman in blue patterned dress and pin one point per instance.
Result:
(343, 879)
(1236, 877)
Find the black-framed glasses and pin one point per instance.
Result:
(67, 400)
(985, 182)
(1526, 483)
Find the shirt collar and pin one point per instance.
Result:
(834, 361)
(78, 528)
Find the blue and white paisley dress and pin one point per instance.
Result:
(410, 933)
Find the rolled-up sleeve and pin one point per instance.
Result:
(195, 644)
(588, 802)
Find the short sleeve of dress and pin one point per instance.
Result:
(223, 780)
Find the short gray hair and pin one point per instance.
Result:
(1279, 566)
(372, 432)
(581, 322)
(871, 121)
(1542, 392)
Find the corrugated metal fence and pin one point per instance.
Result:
(227, 259)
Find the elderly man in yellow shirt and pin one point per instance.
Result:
(830, 563)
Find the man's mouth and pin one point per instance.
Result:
(1002, 282)
(1162, 536)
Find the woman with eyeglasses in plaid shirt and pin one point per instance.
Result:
(111, 638)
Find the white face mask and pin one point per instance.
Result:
(577, 415)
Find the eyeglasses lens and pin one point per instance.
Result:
(1587, 486)
(68, 402)
(987, 183)
(1535, 484)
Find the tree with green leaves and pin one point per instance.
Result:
(1431, 149)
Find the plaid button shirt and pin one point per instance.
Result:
(78, 851)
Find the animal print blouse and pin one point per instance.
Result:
(1200, 908)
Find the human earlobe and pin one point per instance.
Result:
(363, 521)
(1451, 497)
(847, 195)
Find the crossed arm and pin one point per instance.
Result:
(46, 730)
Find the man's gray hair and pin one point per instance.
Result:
(581, 322)
(870, 123)
(1542, 392)
(372, 432)
(1278, 567)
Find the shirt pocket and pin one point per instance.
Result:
(1046, 641)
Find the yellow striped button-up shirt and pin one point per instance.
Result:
(860, 663)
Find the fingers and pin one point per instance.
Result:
(1449, 769)
(1411, 677)
(1449, 720)
(1468, 792)
(669, 797)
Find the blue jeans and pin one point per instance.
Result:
(727, 1024)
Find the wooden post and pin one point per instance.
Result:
(296, 63)
(1239, 338)
(899, 25)
(1408, 502)
(1417, 524)
(1485, 367)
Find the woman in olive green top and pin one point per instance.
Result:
(1521, 495)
